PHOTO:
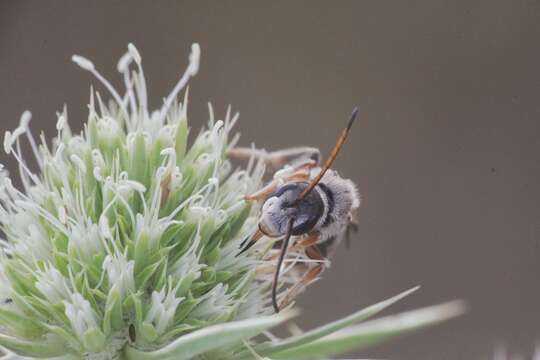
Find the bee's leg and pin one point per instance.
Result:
(262, 194)
(311, 275)
(306, 165)
(245, 153)
(300, 174)
(310, 240)
(295, 156)
(306, 242)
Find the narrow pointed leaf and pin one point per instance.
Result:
(373, 332)
(210, 338)
(330, 328)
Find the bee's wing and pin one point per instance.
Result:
(329, 245)
(352, 227)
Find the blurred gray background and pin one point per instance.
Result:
(445, 153)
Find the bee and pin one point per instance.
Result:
(312, 201)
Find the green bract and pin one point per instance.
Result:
(125, 243)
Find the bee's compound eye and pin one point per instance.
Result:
(269, 203)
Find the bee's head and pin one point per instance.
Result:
(281, 206)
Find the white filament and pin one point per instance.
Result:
(89, 66)
(191, 70)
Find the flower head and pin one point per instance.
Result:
(125, 228)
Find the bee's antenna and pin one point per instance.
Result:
(284, 247)
(330, 160)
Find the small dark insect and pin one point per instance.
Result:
(311, 201)
(132, 333)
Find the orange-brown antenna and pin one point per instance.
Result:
(330, 160)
